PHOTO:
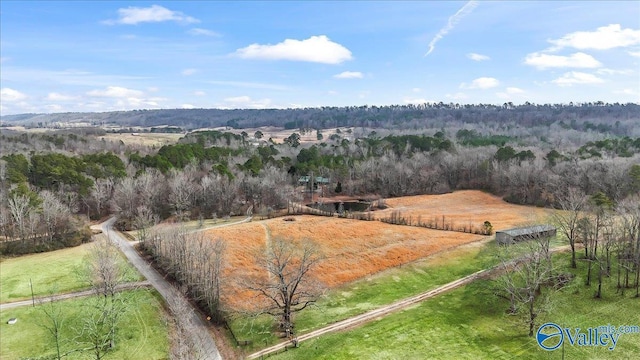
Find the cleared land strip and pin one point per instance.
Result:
(121, 287)
(373, 314)
(385, 310)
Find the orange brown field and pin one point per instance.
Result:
(353, 249)
(465, 207)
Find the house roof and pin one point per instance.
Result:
(529, 230)
(318, 179)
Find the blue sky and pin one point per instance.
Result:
(111, 55)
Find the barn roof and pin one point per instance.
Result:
(527, 230)
(318, 179)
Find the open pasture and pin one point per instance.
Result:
(471, 323)
(147, 139)
(352, 249)
(464, 208)
(142, 332)
(59, 271)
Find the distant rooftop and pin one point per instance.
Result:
(527, 230)
(318, 179)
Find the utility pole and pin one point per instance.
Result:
(33, 299)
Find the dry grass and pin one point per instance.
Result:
(146, 139)
(355, 249)
(465, 207)
(352, 249)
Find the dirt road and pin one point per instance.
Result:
(371, 315)
(121, 287)
(197, 326)
(388, 309)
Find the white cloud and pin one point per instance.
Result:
(155, 13)
(481, 83)
(453, 21)
(631, 92)
(53, 108)
(417, 101)
(116, 92)
(605, 71)
(349, 75)
(478, 57)
(604, 38)
(199, 93)
(203, 32)
(575, 77)
(577, 60)
(187, 106)
(634, 53)
(59, 97)
(509, 93)
(318, 49)
(457, 96)
(245, 102)
(416, 90)
(514, 90)
(187, 72)
(11, 95)
(249, 85)
(332, 92)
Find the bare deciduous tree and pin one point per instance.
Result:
(104, 267)
(20, 208)
(53, 322)
(55, 215)
(572, 204)
(524, 275)
(287, 286)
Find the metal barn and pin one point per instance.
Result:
(511, 236)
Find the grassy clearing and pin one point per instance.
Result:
(193, 225)
(142, 333)
(470, 323)
(147, 139)
(58, 271)
(375, 291)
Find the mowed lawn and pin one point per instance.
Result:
(471, 323)
(142, 333)
(59, 271)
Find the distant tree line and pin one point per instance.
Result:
(591, 116)
(215, 173)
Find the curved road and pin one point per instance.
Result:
(196, 326)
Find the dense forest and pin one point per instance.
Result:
(529, 154)
(616, 119)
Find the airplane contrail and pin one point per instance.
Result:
(453, 20)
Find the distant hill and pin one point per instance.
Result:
(614, 118)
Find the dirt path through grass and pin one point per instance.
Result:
(121, 287)
(388, 309)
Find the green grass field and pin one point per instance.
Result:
(58, 271)
(471, 323)
(194, 225)
(142, 333)
(374, 291)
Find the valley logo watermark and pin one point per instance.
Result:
(551, 336)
